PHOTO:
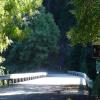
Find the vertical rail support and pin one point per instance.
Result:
(9, 81)
(3, 82)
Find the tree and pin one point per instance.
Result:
(75, 58)
(87, 29)
(16, 13)
(12, 15)
(4, 40)
(40, 42)
(96, 87)
(43, 39)
(65, 20)
(61, 12)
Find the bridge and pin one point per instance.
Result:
(26, 86)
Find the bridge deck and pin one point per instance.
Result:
(53, 84)
(63, 80)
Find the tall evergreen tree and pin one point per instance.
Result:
(40, 42)
(64, 19)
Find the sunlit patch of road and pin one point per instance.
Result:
(57, 81)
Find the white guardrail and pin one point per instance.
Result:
(83, 75)
(20, 77)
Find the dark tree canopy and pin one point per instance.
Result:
(42, 40)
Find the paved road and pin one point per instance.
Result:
(40, 88)
(48, 97)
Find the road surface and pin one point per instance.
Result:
(47, 88)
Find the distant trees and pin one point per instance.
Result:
(70, 57)
(65, 20)
(61, 12)
(42, 41)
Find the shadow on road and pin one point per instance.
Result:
(48, 96)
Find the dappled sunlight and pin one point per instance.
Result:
(23, 89)
(55, 84)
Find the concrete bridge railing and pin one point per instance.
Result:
(20, 77)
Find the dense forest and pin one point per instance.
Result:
(49, 35)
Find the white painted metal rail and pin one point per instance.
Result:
(20, 77)
(83, 75)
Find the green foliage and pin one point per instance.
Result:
(87, 29)
(42, 40)
(14, 15)
(87, 13)
(65, 20)
(4, 40)
(83, 67)
(96, 87)
(69, 58)
(75, 58)
(61, 12)
(2, 70)
(10, 13)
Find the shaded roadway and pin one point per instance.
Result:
(37, 89)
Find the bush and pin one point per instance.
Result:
(96, 87)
